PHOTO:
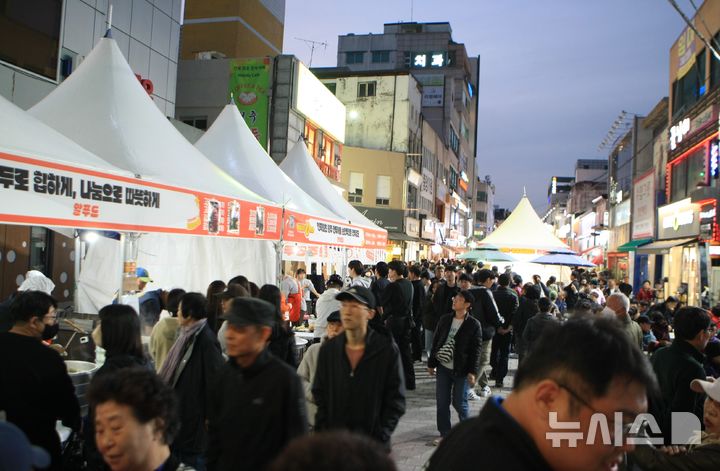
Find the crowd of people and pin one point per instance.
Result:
(223, 383)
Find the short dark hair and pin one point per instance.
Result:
(551, 280)
(299, 271)
(272, 294)
(29, 304)
(425, 274)
(194, 305)
(120, 330)
(398, 267)
(330, 451)
(689, 321)
(504, 280)
(671, 299)
(240, 280)
(465, 277)
(143, 392)
(173, 300)
(467, 295)
(483, 275)
(531, 291)
(334, 280)
(254, 289)
(595, 352)
(382, 269)
(415, 270)
(356, 266)
(544, 304)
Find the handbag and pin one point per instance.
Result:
(446, 352)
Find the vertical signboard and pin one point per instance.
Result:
(249, 88)
(433, 90)
(643, 207)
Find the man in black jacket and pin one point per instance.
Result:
(417, 335)
(258, 404)
(397, 303)
(598, 372)
(507, 302)
(486, 311)
(359, 382)
(35, 389)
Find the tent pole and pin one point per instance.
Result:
(123, 238)
(76, 294)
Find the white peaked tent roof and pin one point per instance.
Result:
(230, 144)
(102, 107)
(299, 166)
(22, 134)
(523, 229)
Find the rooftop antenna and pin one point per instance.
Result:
(312, 45)
(411, 10)
(108, 33)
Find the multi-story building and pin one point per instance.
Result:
(484, 222)
(449, 80)
(247, 28)
(687, 225)
(558, 194)
(590, 182)
(43, 42)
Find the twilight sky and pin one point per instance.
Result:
(554, 74)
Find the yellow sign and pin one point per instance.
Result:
(686, 52)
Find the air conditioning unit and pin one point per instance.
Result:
(209, 55)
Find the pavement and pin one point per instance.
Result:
(413, 437)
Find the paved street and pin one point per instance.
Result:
(416, 431)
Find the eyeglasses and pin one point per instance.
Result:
(624, 430)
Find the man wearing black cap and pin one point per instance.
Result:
(359, 380)
(257, 405)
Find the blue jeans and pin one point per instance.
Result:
(449, 386)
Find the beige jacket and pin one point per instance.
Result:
(306, 371)
(162, 338)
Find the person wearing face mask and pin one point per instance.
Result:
(36, 389)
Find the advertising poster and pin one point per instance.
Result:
(249, 88)
(643, 207)
(38, 192)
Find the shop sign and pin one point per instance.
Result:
(426, 187)
(686, 128)
(622, 214)
(678, 220)
(586, 225)
(428, 229)
(643, 206)
(427, 60)
(708, 220)
(412, 227)
(678, 132)
(249, 88)
(313, 99)
(685, 52)
(388, 219)
(714, 158)
(554, 185)
(433, 90)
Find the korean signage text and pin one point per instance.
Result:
(249, 88)
(643, 207)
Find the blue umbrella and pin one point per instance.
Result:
(565, 259)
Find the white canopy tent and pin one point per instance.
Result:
(102, 107)
(524, 233)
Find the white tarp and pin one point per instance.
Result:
(301, 167)
(230, 144)
(523, 230)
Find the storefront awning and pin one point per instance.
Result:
(633, 245)
(664, 246)
(396, 236)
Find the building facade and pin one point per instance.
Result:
(484, 222)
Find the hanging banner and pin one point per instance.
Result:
(307, 229)
(249, 87)
(38, 192)
(685, 52)
(643, 206)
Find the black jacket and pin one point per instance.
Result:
(282, 345)
(507, 302)
(468, 344)
(397, 299)
(254, 413)
(193, 389)
(418, 300)
(35, 391)
(527, 309)
(495, 437)
(369, 400)
(441, 303)
(535, 327)
(485, 311)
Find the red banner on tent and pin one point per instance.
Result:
(304, 229)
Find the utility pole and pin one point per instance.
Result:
(312, 45)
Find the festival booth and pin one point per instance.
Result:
(311, 232)
(528, 239)
(224, 229)
(303, 170)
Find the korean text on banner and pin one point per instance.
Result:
(249, 86)
(45, 193)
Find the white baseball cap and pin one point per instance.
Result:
(711, 387)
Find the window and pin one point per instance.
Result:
(482, 196)
(454, 141)
(380, 56)
(453, 179)
(687, 174)
(382, 191)
(355, 187)
(366, 89)
(40, 249)
(354, 57)
(412, 195)
(715, 66)
(481, 216)
(199, 122)
(30, 35)
(332, 86)
(688, 89)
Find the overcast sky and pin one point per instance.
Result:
(554, 74)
